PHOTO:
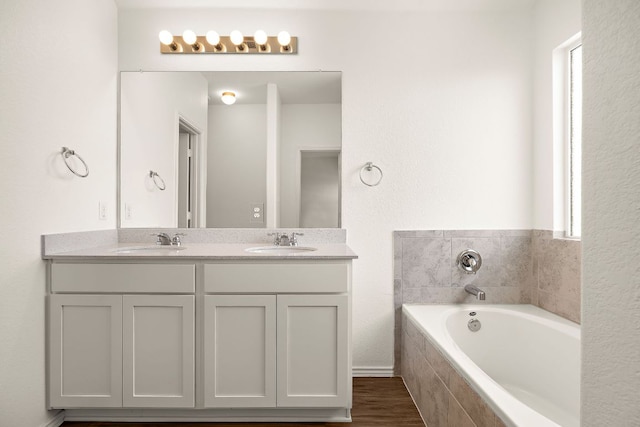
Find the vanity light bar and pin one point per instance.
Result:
(260, 43)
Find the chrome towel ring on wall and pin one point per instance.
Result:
(368, 167)
(66, 153)
(157, 180)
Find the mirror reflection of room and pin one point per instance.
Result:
(266, 156)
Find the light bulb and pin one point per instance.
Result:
(284, 38)
(213, 38)
(189, 37)
(260, 37)
(228, 97)
(236, 37)
(165, 37)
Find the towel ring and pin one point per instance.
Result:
(368, 167)
(66, 153)
(155, 177)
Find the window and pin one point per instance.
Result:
(567, 88)
(574, 143)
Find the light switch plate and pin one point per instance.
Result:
(128, 211)
(103, 211)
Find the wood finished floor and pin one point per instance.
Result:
(376, 402)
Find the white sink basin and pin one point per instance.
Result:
(158, 249)
(280, 250)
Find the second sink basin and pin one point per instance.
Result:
(280, 250)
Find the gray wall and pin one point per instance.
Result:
(319, 191)
(236, 164)
(304, 126)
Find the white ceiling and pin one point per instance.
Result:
(294, 87)
(331, 4)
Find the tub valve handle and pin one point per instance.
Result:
(469, 261)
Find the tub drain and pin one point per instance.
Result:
(474, 325)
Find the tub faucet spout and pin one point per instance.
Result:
(474, 290)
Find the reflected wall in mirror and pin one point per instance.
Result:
(270, 160)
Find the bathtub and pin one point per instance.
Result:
(523, 361)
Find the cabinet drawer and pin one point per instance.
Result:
(278, 277)
(123, 278)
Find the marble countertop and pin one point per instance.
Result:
(199, 251)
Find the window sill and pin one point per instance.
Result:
(561, 235)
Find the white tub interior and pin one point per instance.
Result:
(524, 361)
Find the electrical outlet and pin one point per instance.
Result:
(128, 211)
(103, 211)
(257, 213)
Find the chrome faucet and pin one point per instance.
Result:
(163, 239)
(283, 239)
(474, 290)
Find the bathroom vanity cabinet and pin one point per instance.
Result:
(121, 351)
(276, 351)
(112, 348)
(200, 339)
(290, 347)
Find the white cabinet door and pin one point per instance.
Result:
(158, 351)
(85, 353)
(240, 351)
(313, 357)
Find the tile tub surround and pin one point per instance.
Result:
(518, 267)
(442, 396)
(425, 266)
(557, 277)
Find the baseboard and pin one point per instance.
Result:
(211, 415)
(56, 421)
(375, 371)
(372, 371)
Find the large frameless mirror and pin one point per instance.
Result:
(272, 158)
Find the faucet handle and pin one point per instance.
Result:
(469, 261)
(158, 237)
(176, 241)
(293, 240)
(276, 240)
